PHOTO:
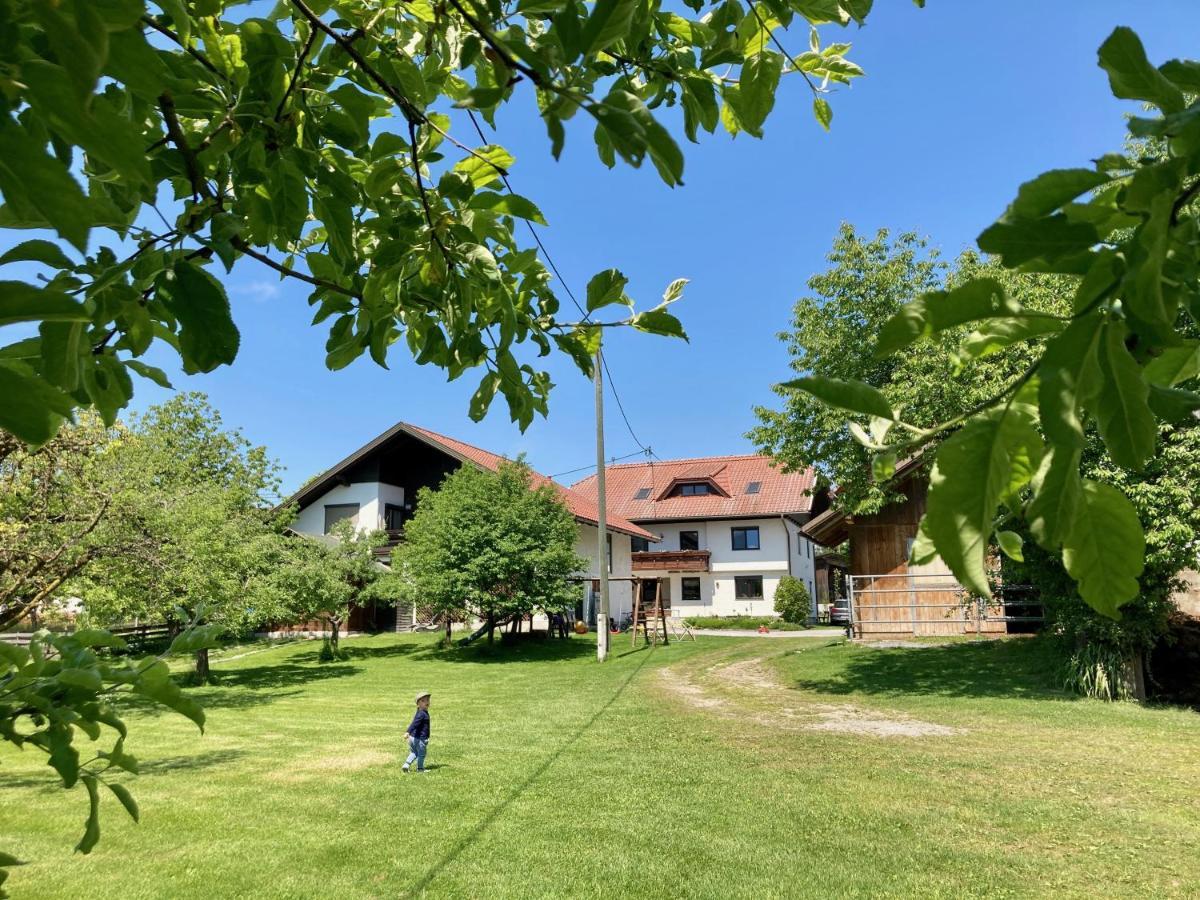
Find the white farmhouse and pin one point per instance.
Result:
(728, 529)
(376, 487)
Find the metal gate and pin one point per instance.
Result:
(935, 604)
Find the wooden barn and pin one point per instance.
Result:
(889, 598)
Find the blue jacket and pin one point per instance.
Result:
(419, 727)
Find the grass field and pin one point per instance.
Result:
(743, 768)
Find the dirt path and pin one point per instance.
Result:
(746, 688)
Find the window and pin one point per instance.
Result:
(745, 539)
(747, 587)
(639, 545)
(689, 590)
(692, 490)
(808, 548)
(754, 487)
(642, 494)
(393, 517)
(335, 512)
(689, 540)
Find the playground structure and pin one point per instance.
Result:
(653, 618)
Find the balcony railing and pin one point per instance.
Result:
(671, 560)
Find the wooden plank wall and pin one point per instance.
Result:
(906, 600)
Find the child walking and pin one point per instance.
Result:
(418, 734)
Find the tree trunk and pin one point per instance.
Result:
(335, 625)
(449, 624)
(491, 626)
(202, 666)
(1135, 677)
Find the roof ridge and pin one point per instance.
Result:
(446, 437)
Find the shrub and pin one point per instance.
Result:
(792, 601)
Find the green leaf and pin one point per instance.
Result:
(823, 112)
(1174, 364)
(207, 336)
(1174, 405)
(32, 409)
(675, 290)
(988, 461)
(1050, 238)
(1004, 332)
(606, 288)
(852, 396)
(64, 758)
(91, 833)
(1105, 549)
(122, 793)
(97, 637)
(481, 400)
(1131, 76)
(32, 180)
(63, 351)
(88, 679)
(608, 23)
(1185, 74)
(1121, 408)
(108, 385)
(41, 251)
(1050, 190)
(1011, 544)
(507, 204)
(1056, 490)
(659, 321)
(1070, 377)
(755, 97)
(21, 302)
(486, 166)
(981, 298)
(153, 373)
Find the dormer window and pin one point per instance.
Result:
(693, 489)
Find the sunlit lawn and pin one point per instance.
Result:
(553, 776)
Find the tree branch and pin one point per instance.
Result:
(503, 52)
(782, 49)
(412, 137)
(411, 113)
(240, 244)
(300, 60)
(191, 51)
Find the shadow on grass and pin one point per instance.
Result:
(486, 822)
(50, 782)
(514, 649)
(1024, 668)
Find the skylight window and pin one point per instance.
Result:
(753, 487)
(642, 494)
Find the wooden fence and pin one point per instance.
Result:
(134, 635)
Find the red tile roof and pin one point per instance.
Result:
(583, 507)
(780, 493)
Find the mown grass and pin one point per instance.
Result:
(553, 776)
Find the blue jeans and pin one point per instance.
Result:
(417, 752)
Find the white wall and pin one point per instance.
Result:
(620, 593)
(717, 586)
(369, 495)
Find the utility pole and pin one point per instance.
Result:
(602, 524)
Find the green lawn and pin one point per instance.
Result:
(746, 768)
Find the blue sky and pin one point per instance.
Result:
(962, 101)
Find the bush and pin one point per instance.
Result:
(792, 600)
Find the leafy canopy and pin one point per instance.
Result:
(491, 545)
(342, 144)
(1126, 233)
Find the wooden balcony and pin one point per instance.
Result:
(671, 561)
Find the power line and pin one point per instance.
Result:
(621, 406)
(593, 465)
